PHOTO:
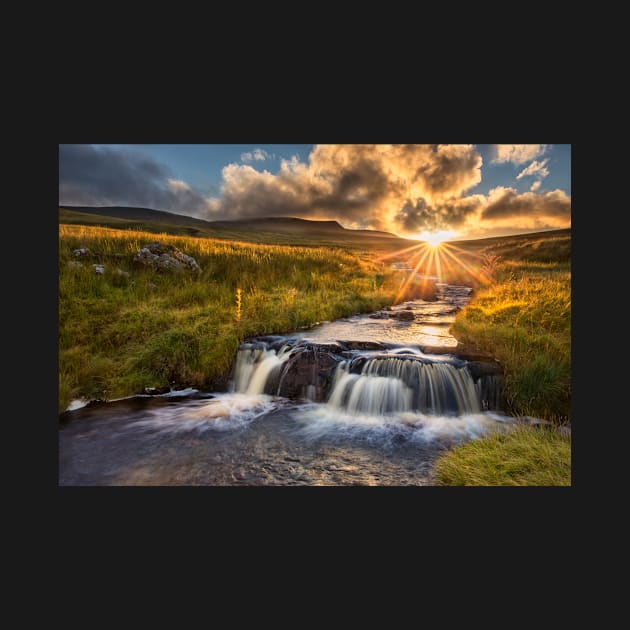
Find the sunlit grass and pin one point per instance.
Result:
(522, 456)
(524, 320)
(118, 334)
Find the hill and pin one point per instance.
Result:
(272, 230)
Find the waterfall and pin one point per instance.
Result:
(389, 385)
(362, 382)
(258, 368)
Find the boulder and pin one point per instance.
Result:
(165, 257)
(308, 374)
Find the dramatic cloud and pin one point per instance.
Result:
(552, 208)
(101, 176)
(361, 185)
(257, 155)
(535, 168)
(518, 153)
(419, 216)
(407, 189)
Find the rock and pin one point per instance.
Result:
(99, 269)
(75, 264)
(156, 391)
(403, 315)
(363, 345)
(478, 368)
(308, 373)
(82, 252)
(122, 274)
(165, 257)
(379, 315)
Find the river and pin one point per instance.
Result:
(369, 400)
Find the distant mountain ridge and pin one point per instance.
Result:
(279, 224)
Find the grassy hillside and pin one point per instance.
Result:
(270, 230)
(119, 334)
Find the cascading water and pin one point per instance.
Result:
(388, 382)
(258, 369)
(395, 384)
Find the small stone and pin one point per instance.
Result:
(82, 252)
(122, 274)
(99, 269)
(75, 264)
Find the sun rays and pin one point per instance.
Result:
(437, 261)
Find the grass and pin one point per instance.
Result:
(521, 456)
(524, 320)
(119, 334)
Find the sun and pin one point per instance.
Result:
(436, 238)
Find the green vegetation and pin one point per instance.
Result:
(118, 333)
(272, 231)
(522, 456)
(524, 319)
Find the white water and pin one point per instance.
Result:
(224, 412)
(318, 421)
(394, 385)
(254, 367)
(427, 397)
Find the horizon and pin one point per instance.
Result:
(262, 218)
(418, 192)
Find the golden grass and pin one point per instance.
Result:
(521, 456)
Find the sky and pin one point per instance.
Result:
(414, 190)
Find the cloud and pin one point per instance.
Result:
(102, 176)
(361, 185)
(257, 155)
(539, 169)
(420, 216)
(405, 189)
(552, 208)
(517, 153)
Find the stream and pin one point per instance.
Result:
(371, 399)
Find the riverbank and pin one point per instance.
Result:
(127, 328)
(524, 321)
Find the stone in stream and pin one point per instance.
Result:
(308, 373)
(403, 315)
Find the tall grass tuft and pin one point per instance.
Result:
(522, 456)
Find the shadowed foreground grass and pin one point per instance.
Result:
(522, 456)
(119, 334)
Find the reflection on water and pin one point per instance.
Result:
(429, 325)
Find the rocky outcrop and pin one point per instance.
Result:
(165, 257)
(308, 373)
